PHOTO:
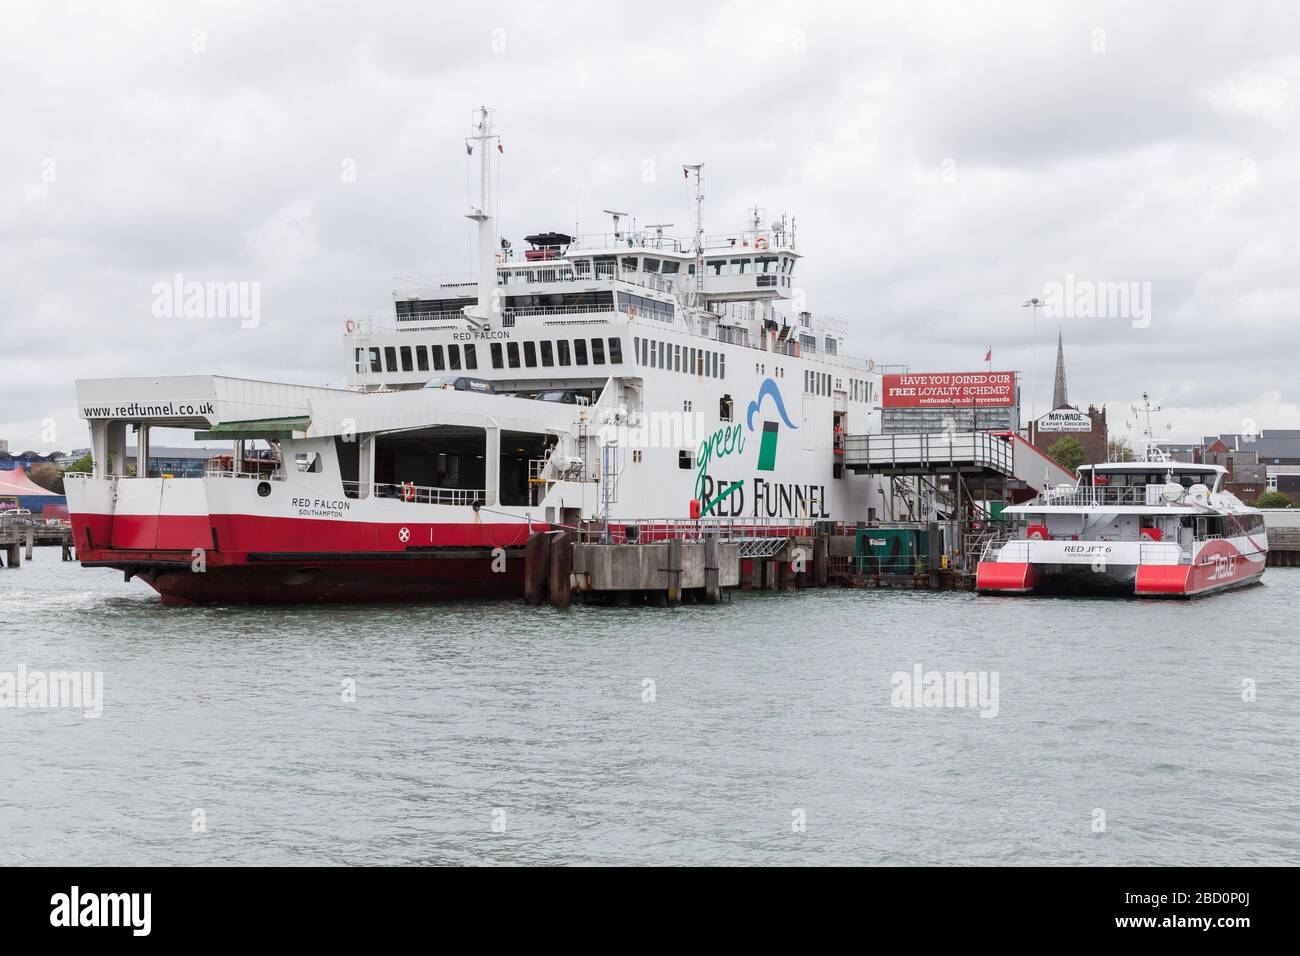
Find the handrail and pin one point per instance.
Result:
(416, 494)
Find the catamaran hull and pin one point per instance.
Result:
(1177, 581)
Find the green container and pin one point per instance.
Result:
(890, 550)
(995, 510)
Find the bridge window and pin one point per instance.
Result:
(629, 263)
(650, 265)
(580, 351)
(604, 267)
(498, 361)
(530, 354)
(562, 347)
(438, 364)
(361, 360)
(453, 357)
(512, 354)
(548, 354)
(471, 356)
(671, 266)
(740, 267)
(390, 358)
(408, 364)
(422, 358)
(597, 351)
(615, 351)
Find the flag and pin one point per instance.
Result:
(469, 149)
(500, 148)
(988, 356)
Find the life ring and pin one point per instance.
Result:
(761, 244)
(350, 325)
(408, 491)
(1037, 532)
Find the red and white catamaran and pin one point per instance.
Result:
(622, 377)
(1150, 528)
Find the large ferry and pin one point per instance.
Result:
(1153, 528)
(619, 378)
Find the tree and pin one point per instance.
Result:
(1118, 449)
(83, 464)
(1274, 499)
(1068, 453)
(48, 475)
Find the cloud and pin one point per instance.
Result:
(944, 162)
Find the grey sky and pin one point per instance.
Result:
(944, 162)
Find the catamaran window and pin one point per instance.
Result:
(615, 351)
(471, 356)
(548, 354)
(453, 357)
(740, 267)
(579, 351)
(562, 347)
(629, 263)
(438, 364)
(390, 358)
(497, 360)
(650, 265)
(512, 354)
(361, 360)
(530, 354)
(422, 358)
(408, 364)
(671, 266)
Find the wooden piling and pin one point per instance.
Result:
(560, 569)
(674, 570)
(712, 588)
(537, 550)
(31, 541)
(821, 553)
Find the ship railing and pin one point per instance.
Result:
(652, 530)
(409, 493)
(926, 449)
(1162, 552)
(1087, 496)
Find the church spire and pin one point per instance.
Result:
(1059, 398)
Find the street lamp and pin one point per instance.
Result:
(1035, 304)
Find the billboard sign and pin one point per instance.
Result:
(942, 389)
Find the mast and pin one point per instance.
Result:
(488, 304)
(698, 169)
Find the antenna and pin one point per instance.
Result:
(659, 228)
(1143, 415)
(617, 216)
(698, 170)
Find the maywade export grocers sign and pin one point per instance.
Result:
(949, 388)
(1064, 420)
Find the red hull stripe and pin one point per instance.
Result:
(1004, 576)
(241, 534)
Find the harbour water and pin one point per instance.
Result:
(762, 731)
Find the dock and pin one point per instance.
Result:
(672, 562)
(21, 534)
